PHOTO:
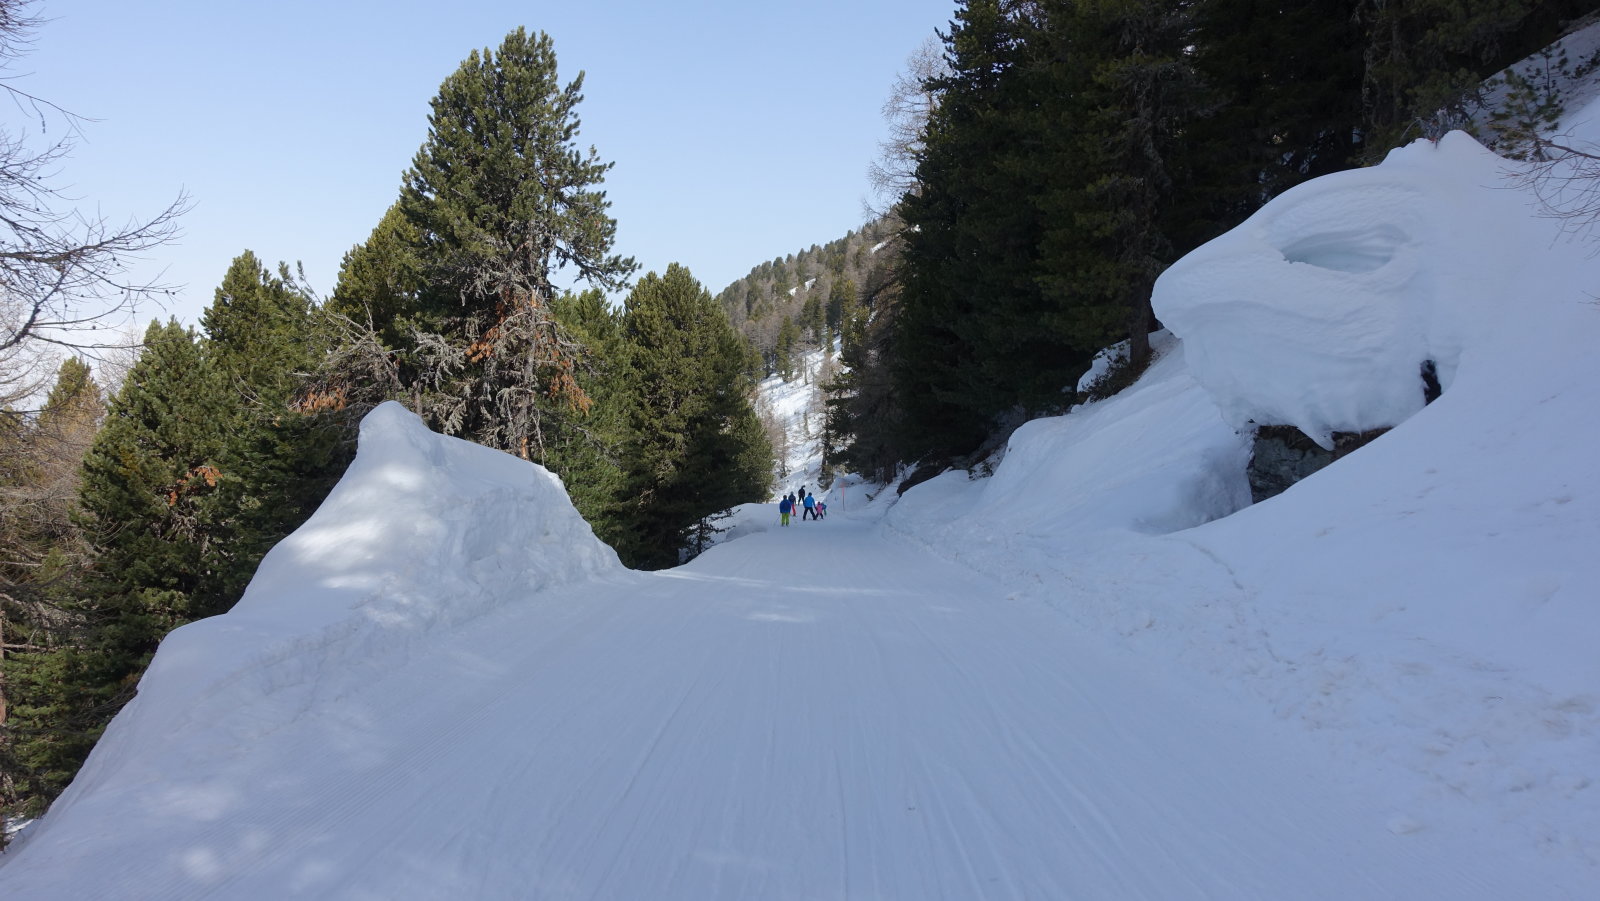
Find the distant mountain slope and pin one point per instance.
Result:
(808, 292)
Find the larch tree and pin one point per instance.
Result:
(65, 274)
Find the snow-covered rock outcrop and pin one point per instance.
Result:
(1321, 309)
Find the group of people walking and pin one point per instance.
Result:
(814, 507)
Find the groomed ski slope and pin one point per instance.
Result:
(813, 712)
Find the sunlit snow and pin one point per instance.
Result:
(1098, 673)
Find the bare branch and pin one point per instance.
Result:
(912, 101)
(1564, 177)
(63, 272)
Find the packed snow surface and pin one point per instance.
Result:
(1096, 674)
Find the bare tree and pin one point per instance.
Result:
(64, 279)
(1564, 177)
(912, 101)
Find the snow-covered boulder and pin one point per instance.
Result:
(1322, 309)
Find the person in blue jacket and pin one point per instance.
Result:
(811, 507)
(785, 507)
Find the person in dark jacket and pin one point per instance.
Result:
(785, 507)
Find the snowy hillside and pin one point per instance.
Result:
(1099, 673)
(796, 406)
(1428, 604)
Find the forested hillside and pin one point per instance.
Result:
(793, 302)
(1070, 151)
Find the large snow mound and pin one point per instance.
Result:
(1320, 310)
(423, 533)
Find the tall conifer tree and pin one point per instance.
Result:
(695, 446)
(974, 324)
(41, 561)
(261, 339)
(501, 199)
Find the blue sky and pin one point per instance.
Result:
(740, 131)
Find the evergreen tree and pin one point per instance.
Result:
(1284, 106)
(862, 406)
(380, 281)
(500, 194)
(813, 315)
(1425, 59)
(261, 339)
(42, 557)
(973, 323)
(586, 452)
(786, 349)
(497, 203)
(695, 446)
(203, 464)
(1043, 210)
(1134, 95)
(841, 299)
(147, 482)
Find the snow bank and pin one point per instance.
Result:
(1154, 459)
(1426, 602)
(423, 533)
(1319, 311)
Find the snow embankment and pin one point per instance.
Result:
(1320, 311)
(423, 533)
(1426, 603)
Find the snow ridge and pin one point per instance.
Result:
(422, 534)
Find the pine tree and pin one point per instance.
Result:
(458, 280)
(863, 412)
(1284, 106)
(147, 482)
(204, 462)
(1425, 59)
(586, 450)
(1135, 93)
(841, 300)
(278, 463)
(39, 461)
(500, 194)
(814, 318)
(788, 345)
(501, 201)
(380, 281)
(1044, 208)
(695, 446)
(971, 342)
